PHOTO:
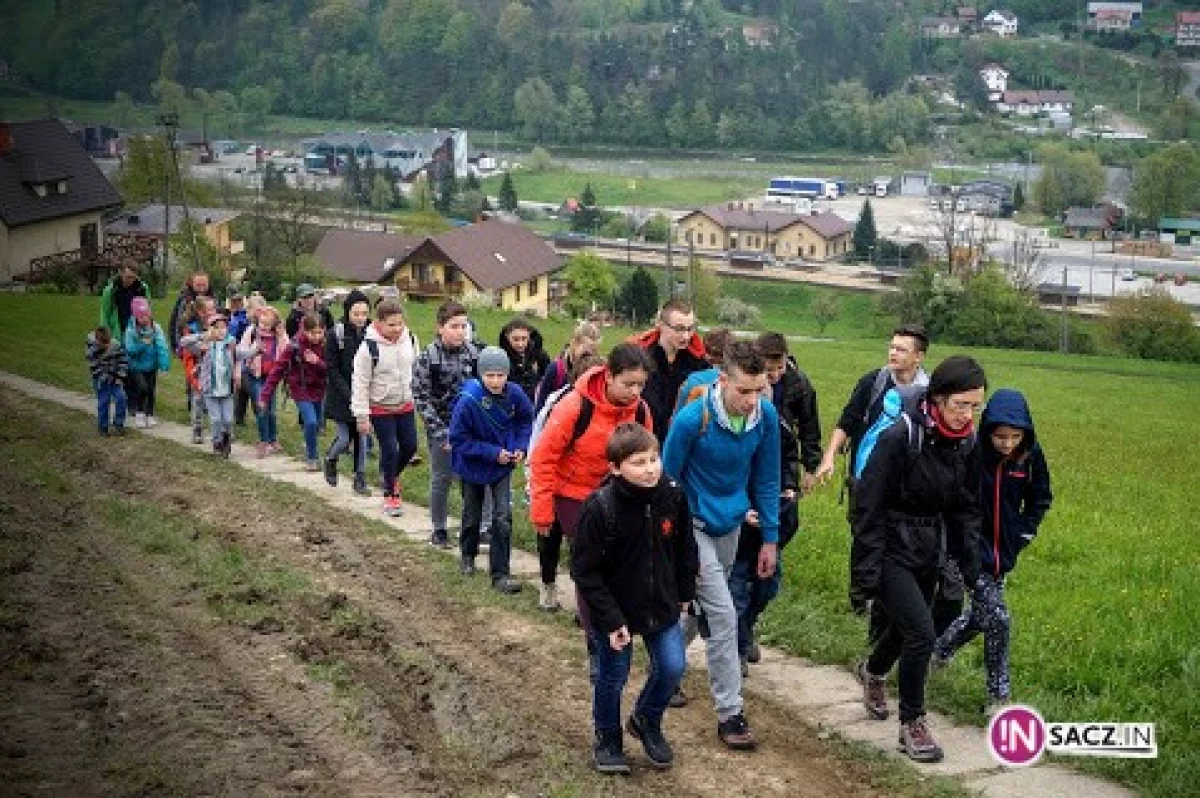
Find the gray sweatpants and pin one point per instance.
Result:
(713, 597)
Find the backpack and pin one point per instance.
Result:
(700, 392)
(905, 402)
(587, 408)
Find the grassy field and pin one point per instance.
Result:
(1104, 602)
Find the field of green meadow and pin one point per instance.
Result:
(1105, 602)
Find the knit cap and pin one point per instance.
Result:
(139, 306)
(493, 358)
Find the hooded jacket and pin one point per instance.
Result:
(339, 360)
(146, 347)
(306, 381)
(109, 364)
(115, 303)
(725, 473)
(485, 423)
(908, 501)
(202, 348)
(525, 368)
(662, 387)
(1015, 490)
(272, 345)
(387, 384)
(559, 468)
(634, 558)
(796, 400)
(437, 379)
(187, 295)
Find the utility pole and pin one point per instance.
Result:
(669, 293)
(1065, 342)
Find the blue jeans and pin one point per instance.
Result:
(266, 419)
(751, 596)
(220, 416)
(397, 437)
(109, 393)
(349, 437)
(667, 665)
(474, 504)
(310, 419)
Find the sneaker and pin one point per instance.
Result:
(506, 585)
(678, 699)
(139, 420)
(466, 566)
(360, 485)
(312, 465)
(393, 507)
(261, 450)
(874, 692)
(658, 750)
(995, 705)
(275, 447)
(753, 653)
(331, 472)
(736, 733)
(916, 741)
(439, 539)
(197, 435)
(415, 461)
(218, 450)
(151, 421)
(608, 754)
(226, 445)
(937, 663)
(548, 597)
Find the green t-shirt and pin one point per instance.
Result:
(737, 424)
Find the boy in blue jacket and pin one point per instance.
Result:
(489, 436)
(1015, 496)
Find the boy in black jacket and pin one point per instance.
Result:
(110, 368)
(634, 563)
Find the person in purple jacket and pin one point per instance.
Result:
(489, 436)
(303, 363)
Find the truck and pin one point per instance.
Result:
(810, 187)
(882, 185)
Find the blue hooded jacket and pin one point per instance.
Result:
(1015, 490)
(146, 347)
(482, 425)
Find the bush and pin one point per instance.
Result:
(61, 278)
(736, 313)
(1152, 324)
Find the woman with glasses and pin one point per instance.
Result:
(916, 503)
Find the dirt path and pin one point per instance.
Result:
(213, 633)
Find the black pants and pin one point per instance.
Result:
(548, 546)
(906, 599)
(240, 405)
(141, 389)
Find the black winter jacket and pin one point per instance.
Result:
(339, 361)
(634, 559)
(296, 316)
(525, 369)
(662, 388)
(906, 500)
(861, 412)
(798, 409)
(1015, 490)
(750, 539)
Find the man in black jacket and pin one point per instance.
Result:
(677, 352)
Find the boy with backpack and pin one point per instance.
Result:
(489, 436)
(448, 362)
(110, 368)
(634, 562)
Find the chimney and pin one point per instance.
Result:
(6, 139)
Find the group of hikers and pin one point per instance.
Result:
(674, 465)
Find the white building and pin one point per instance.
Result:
(995, 78)
(1001, 23)
(1029, 103)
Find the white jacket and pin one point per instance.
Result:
(388, 382)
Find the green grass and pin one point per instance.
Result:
(617, 189)
(1104, 602)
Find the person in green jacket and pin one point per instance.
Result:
(118, 295)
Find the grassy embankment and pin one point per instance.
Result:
(1104, 601)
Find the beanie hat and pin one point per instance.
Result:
(139, 306)
(493, 358)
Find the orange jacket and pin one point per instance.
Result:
(555, 469)
(650, 337)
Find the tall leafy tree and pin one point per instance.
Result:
(638, 297)
(864, 232)
(508, 194)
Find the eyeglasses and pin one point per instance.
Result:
(682, 328)
(961, 406)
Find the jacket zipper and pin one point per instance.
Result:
(996, 520)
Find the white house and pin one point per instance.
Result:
(1029, 103)
(995, 78)
(1110, 17)
(1001, 23)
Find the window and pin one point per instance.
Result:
(517, 289)
(712, 239)
(812, 250)
(532, 288)
(89, 237)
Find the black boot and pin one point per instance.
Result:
(226, 445)
(331, 472)
(657, 748)
(360, 484)
(608, 754)
(466, 566)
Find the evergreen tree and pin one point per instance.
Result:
(472, 183)
(508, 194)
(587, 218)
(864, 232)
(447, 188)
(638, 298)
(1018, 197)
(352, 182)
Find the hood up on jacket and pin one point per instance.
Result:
(650, 337)
(536, 344)
(1008, 407)
(352, 299)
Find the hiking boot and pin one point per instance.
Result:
(916, 741)
(506, 585)
(658, 750)
(736, 733)
(937, 663)
(217, 448)
(548, 597)
(360, 485)
(226, 445)
(753, 653)
(393, 507)
(466, 566)
(331, 472)
(197, 435)
(874, 692)
(439, 539)
(678, 699)
(608, 754)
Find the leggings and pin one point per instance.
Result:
(141, 389)
(906, 598)
(989, 614)
(397, 436)
(348, 437)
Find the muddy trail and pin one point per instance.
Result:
(173, 625)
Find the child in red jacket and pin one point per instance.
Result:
(303, 363)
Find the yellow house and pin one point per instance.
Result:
(507, 261)
(150, 221)
(52, 200)
(732, 227)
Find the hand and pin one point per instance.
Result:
(262, 406)
(824, 471)
(311, 356)
(683, 607)
(619, 639)
(766, 560)
(504, 457)
(860, 606)
(752, 517)
(808, 482)
(542, 529)
(518, 456)
(364, 426)
(446, 446)
(789, 495)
